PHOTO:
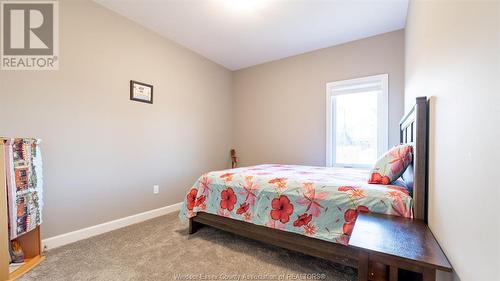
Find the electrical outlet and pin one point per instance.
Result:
(156, 189)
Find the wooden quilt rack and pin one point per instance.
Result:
(30, 241)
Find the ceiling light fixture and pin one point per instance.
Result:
(245, 6)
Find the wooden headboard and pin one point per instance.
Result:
(413, 130)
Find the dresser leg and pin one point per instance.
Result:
(363, 266)
(429, 275)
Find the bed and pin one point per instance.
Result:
(319, 202)
(310, 209)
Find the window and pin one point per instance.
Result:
(356, 121)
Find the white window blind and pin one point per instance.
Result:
(357, 121)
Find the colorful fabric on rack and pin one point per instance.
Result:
(24, 184)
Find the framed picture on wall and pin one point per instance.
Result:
(141, 92)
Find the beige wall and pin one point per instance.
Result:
(452, 54)
(279, 107)
(102, 152)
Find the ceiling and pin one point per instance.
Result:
(242, 33)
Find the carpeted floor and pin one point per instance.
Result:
(161, 249)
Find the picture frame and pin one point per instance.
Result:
(141, 92)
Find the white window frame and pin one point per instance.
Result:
(345, 87)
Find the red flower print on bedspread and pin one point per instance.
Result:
(227, 177)
(279, 182)
(227, 199)
(282, 209)
(243, 208)
(400, 208)
(249, 190)
(247, 216)
(350, 217)
(354, 192)
(302, 220)
(200, 201)
(191, 198)
(399, 188)
(192, 201)
(398, 205)
(311, 199)
(205, 183)
(346, 188)
(309, 229)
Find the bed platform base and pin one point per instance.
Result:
(384, 256)
(333, 252)
(299, 243)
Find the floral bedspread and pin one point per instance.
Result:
(315, 201)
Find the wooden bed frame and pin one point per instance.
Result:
(413, 130)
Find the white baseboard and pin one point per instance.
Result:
(70, 237)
